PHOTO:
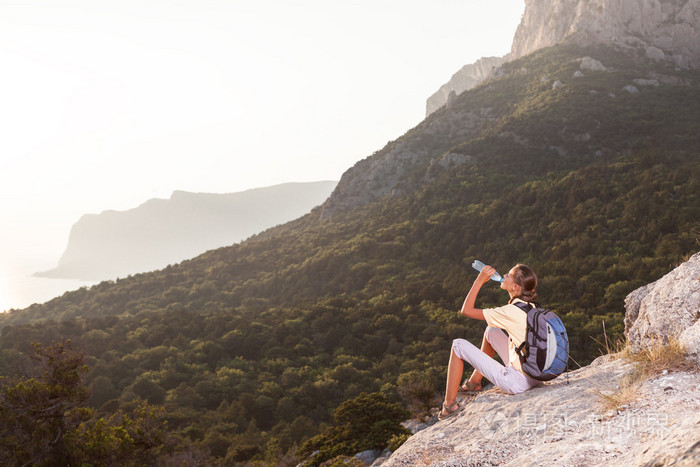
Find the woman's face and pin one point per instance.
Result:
(508, 283)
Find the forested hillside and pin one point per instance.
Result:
(250, 348)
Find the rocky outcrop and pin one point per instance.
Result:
(563, 422)
(423, 151)
(667, 309)
(663, 29)
(373, 177)
(588, 63)
(666, 30)
(465, 79)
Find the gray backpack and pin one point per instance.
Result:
(544, 354)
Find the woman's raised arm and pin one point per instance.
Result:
(468, 306)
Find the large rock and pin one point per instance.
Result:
(466, 78)
(667, 308)
(667, 29)
(563, 423)
(368, 457)
(588, 63)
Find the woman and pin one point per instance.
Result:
(520, 283)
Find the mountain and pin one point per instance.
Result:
(161, 232)
(466, 78)
(580, 161)
(666, 31)
(663, 30)
(590, 174)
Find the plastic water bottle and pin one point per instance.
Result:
(478, 265)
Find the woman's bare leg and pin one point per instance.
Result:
(454, 375)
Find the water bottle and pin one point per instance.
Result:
(478, 265)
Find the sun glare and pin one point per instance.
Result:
(3, 295)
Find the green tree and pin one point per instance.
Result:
(149, 390)
(417, 391)
(119, 439)
(45, 421)
(366, 422)
(38, 412)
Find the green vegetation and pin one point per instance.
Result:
(45, 420)
(251, 349)
(363, 423)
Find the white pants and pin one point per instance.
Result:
(505, 377)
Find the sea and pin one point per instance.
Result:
(19, 288)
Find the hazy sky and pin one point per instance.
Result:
(108, 103)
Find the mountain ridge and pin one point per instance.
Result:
(159, 232)
(439, 137)
(666, 31)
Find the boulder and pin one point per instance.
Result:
(588, 63)
(668, 308)
(368, 457)
(386, 454)
(646, 82)
(655, 53)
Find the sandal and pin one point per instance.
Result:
(448, 411)
(469, 388)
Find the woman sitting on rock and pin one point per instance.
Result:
(520, 283)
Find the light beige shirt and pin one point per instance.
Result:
(512, 320)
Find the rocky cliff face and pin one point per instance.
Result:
(423, 152)
(667, 309)
(667, 30)
(563, 422)
(465, 79)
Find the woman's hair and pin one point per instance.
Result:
(526, 278)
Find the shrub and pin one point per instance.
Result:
(366, 422)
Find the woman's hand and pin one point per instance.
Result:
(485, 274)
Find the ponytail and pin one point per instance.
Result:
(526, 278)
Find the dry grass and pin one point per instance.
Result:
(660, 356)
(626, 391)
(648, 363)
(613, 350)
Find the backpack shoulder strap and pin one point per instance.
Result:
(521, 350)
(526, 306)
